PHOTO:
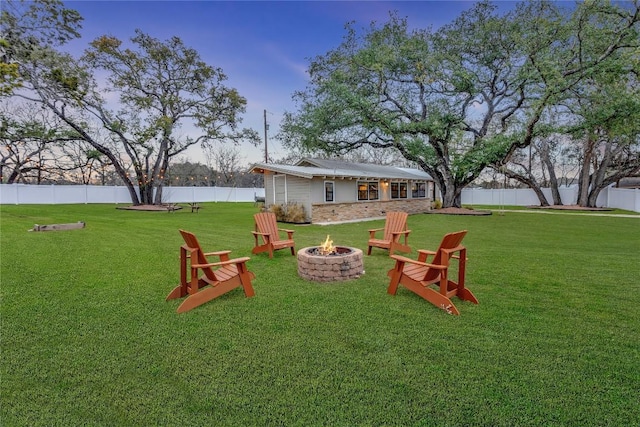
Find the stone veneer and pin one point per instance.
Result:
(335, 212)
(330, 268)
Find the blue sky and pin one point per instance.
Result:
(264, 47)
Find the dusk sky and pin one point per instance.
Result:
(264, 47)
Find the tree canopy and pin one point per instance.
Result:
(461, 98)
(27, 26)
(151, 92)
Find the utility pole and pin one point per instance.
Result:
(266, 127)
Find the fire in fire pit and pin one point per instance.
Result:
(329, 263)
(327, 247)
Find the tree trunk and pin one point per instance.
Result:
(157, 200)
(593, 196)
(529, 182)
(553, 179)
(585, 176)
(159, 174)
(451, 198)
(146, 193)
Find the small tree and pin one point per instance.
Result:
(225, 161)
(31, 141)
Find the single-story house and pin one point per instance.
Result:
(335, 190)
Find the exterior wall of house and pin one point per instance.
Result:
(334, 212)
(310, 193)
(346, 207)
(282, 189)
(268, 188)
(280, 193)
(299, 191)
(344, 190)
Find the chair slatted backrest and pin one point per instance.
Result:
(449, 241)
(192, 242)
(395, 222)
(266, 223)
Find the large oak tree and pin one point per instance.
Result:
(458, 99)
(154, 98)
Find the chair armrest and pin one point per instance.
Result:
(289, 232)
(258, 233)
(426, 252)
(217, 253)
(224, 255)
(373, 231)
(401, 258)
(217, 264)
(452, 251)
(423, 254)
(395, 235)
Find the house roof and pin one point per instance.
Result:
(310, 168)
(629, 182)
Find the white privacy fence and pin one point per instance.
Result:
(621, 198)
(65, 194)
(610, 197)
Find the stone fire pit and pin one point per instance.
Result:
(343, 263)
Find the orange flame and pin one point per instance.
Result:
(327, 247)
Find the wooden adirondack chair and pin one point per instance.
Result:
(418, 276)
(229, 274)
(395, 227)
(267, 235)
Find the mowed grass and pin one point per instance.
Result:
(88, 338)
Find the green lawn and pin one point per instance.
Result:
(88, 338)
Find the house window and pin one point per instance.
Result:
(367, 190)
(398, 190)
(328, 191)
(419, 190)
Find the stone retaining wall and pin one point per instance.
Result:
(335, 212)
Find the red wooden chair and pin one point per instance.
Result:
(267, 235)
(227, 275)
(395, 227)
(419, 276)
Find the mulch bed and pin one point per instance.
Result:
(569, 208)
(150, 207)
(459, 211)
